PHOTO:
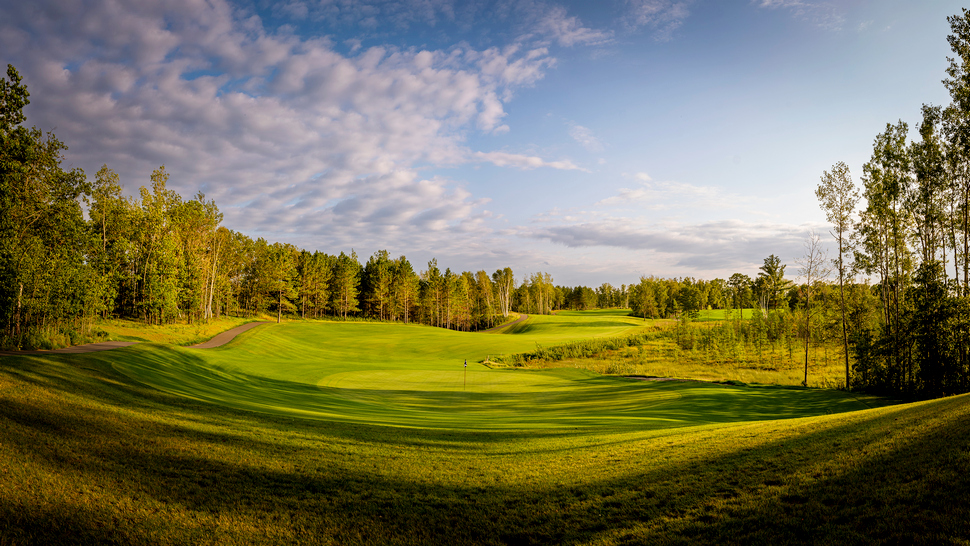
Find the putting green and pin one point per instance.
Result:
(412, 375)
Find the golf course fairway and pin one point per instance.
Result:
(369, 433)
(414, 375)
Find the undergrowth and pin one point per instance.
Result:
(747, 351)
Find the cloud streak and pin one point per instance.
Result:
(568, 30)
(286, 133)
(824, 14)
(663, 16)
(585, 138)
(667, 194)
(719, 245)
(526, 162)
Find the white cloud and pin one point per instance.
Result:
(663, 16)
(824, 13)
(505, 159)
(708, 246)
(569, 31)
(585, 138)
(288, 135)
(667, 194)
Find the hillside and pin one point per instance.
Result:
(154, 444)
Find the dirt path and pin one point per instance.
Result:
(89, 348)
(227, 336)
(218, 341)
(499, 327)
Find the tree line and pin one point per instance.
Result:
(904, 328)
(160, 258)
(909, 232)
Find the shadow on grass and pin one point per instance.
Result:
(531, 327)
(88, 458)
(581, 400)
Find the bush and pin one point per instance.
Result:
(580, 349)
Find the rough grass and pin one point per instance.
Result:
(180, 333)
(92, 452)
(664, 358)
(655, 350)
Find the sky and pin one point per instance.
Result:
(595, 141)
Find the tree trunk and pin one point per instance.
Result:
(20, 296)
(212, 283)
(845, 333)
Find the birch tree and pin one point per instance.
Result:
(838, 196)
(504, 284)
(814, 270)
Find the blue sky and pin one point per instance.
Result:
(594, 141)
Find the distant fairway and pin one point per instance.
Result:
(413, 375)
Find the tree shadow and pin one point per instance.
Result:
(130, 467)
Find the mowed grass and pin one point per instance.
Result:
(154, 444)
(413, 375)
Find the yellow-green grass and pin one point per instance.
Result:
(154, 444)
(724, 314)
(413, 375)
(178, 333)
(663, 358)
(709, 315)
(771, 364)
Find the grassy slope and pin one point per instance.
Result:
(174, 334)
(412, 375)
(87, 455)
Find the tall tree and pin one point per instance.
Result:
(346, 284)
(688, 298)
(504, 281)
(111, 223)
(883, 228)
(774, 284)
(405, 288)
(838, 196)
(956, 122)
(278, 277)
(486, 293)
(377, 284)
(160, 251)
(740, 284)
(814, 270)
(44, 277)
(643, 299)
(933, 324)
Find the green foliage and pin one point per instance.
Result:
(578, 349)
(772, 283)
(44, 278)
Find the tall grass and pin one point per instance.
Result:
(766, 349)
(585, 348)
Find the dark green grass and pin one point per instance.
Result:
(92, 452)
(393, 374)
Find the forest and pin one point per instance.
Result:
(76, 250)
(895, 295)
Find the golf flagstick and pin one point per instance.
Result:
(465, 381)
